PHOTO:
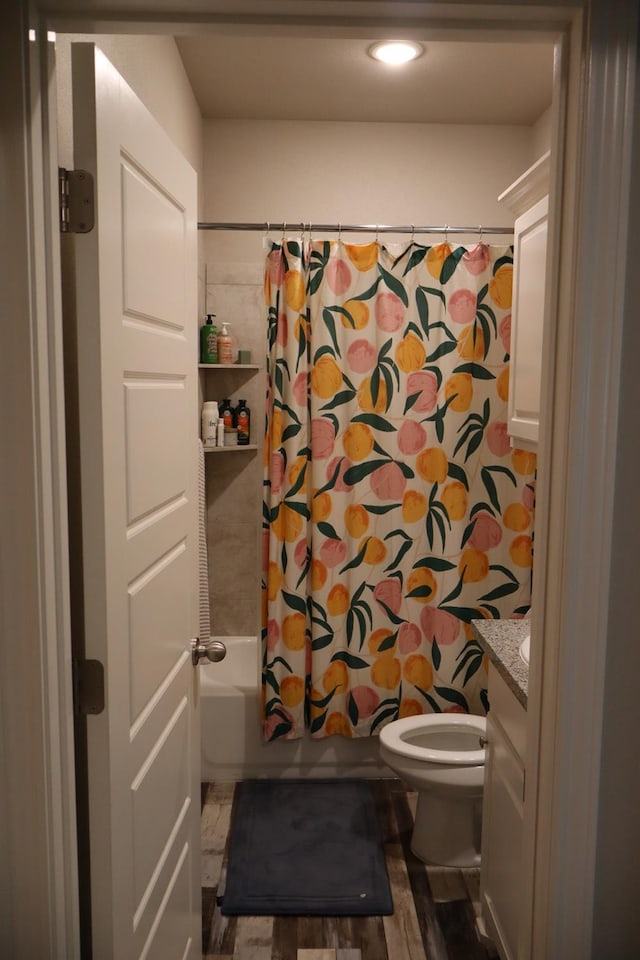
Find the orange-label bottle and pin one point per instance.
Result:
(225, 345)
(243, 419)
(227, 413)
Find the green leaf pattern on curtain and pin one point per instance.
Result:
(395, 509)
(286, 511)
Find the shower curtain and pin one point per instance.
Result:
(395, 510)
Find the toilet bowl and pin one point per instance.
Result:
(441, 756)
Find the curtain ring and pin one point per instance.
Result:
(301, 233)
(413, 232)
(284, 230)
(377, 233)
(267, 227)
(339, 232)
(480, 240)
(446, 233)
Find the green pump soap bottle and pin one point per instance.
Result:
(209, 341)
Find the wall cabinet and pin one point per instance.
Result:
(528, 198)
(501, 887)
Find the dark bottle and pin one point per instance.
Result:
(228, 414)
(243, 420)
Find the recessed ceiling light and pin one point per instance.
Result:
(395, 51)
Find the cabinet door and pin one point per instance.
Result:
(529, 262)
(501, 874)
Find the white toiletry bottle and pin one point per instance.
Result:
(210, 418)
(220, 433)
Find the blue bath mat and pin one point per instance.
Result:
(306, 847)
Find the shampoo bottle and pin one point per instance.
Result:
(209, 341)
(225, 344)
(228, 414)
(243, 419)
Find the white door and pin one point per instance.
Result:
(136, 292)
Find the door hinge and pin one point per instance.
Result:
(76, 200)
(88, 687)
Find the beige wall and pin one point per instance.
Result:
(153, 68)
(358, 172)
(328, 172)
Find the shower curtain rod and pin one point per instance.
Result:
(350, 228)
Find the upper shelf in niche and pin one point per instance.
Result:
(229, 366)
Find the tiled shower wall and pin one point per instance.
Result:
(234, 292)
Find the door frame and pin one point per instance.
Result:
(567, 676)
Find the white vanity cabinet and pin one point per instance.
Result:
(501, 884)
(528, 197)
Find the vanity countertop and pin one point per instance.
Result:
(501, 639)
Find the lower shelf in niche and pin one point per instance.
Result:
(239, 448)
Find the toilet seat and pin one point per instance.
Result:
(393, 738)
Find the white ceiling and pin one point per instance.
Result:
(304, 78)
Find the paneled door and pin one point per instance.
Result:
(527, 322)
(136, 309)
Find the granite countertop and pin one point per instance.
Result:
(501, 639)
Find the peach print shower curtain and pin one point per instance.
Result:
(395, 510)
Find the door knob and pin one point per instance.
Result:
(212, 650)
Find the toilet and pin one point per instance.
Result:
(441, 755)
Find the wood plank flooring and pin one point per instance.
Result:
(436, 909)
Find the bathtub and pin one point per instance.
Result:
(232, 747)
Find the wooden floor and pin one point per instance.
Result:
(435, 908)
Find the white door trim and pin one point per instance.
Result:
(581, 386)
(38, 868)
(566, 860)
